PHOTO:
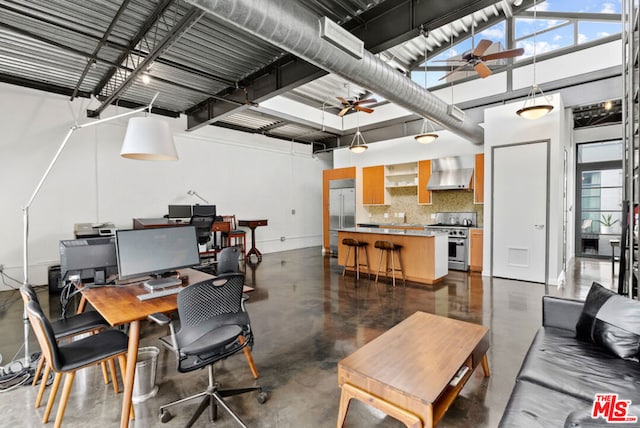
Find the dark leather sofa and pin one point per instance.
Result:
(561, 375)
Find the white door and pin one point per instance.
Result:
(520, 211)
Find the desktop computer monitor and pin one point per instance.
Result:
(93, 258)
(156, 251)
(208, 210)
(179, 211)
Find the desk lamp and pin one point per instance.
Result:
(146, 138)
(194, 193)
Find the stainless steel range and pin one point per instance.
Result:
(457, 226)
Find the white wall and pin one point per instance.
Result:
(249, 175)
(504, 127)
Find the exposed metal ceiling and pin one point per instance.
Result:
(204, 68)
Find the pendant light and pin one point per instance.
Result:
(530, 110)
(425, 136)
(358, 145)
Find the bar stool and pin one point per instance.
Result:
(389, 249)
(357, 245)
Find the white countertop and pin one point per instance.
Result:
(383, 231)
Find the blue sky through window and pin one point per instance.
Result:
(560, 33)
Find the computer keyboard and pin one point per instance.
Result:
(160, 283)
(161, 293)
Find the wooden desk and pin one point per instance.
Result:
(406, 371)
(154, 223)
(252, 224)
(118, 306)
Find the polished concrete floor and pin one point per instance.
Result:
(306, 318)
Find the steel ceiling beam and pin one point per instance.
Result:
(393, 22)
(384, 25)
(120, 82)
(286, 74)
(146, 26)
(101, 43)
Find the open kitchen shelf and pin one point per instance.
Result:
(401, 175)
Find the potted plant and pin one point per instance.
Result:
(607, 223)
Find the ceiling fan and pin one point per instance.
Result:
(476, 58)
(355, 105)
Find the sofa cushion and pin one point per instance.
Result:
(557, 360)
(612, 321)
(534, 406)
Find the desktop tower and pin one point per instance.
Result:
(55, 280)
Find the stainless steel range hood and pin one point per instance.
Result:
(451, 173)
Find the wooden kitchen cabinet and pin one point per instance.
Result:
(475, 249)
(478, 180)
(373, 190)
(424, 173)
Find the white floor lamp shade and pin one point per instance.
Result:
(148, 138)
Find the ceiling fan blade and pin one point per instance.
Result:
(343, 101)
(368, 100)
(483, 45)
(453, 71)
(364, 109)
(344, 111)
(504, 54)
(482, 70)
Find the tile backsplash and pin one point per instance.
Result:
(404, 200)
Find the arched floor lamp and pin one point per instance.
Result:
(146, 138)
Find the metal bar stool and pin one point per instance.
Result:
(389, 249)
(357, 245)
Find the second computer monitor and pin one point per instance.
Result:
(204, 210)
(179, 211)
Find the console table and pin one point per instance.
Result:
(252, 224)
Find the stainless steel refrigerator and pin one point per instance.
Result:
(342, 209)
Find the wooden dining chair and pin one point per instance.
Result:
(235, 235)
(67, 358)
(65, 329)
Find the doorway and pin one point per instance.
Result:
(520, 183)
(599, 185)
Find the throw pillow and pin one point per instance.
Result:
(611, 321)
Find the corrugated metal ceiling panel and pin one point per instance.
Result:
(251, 119)
(217, 49)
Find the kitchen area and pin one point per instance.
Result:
(429, 197)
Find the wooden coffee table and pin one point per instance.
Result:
(406, 372)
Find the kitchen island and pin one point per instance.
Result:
(424, 253)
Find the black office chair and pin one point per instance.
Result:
(228, 261)
(69, 357)
(214, 326)
(203, 224)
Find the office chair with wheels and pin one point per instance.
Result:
(214, 326)
(69, 357)
(203, 224)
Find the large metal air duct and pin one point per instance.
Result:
(293, 28)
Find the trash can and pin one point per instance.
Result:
(145, 386)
